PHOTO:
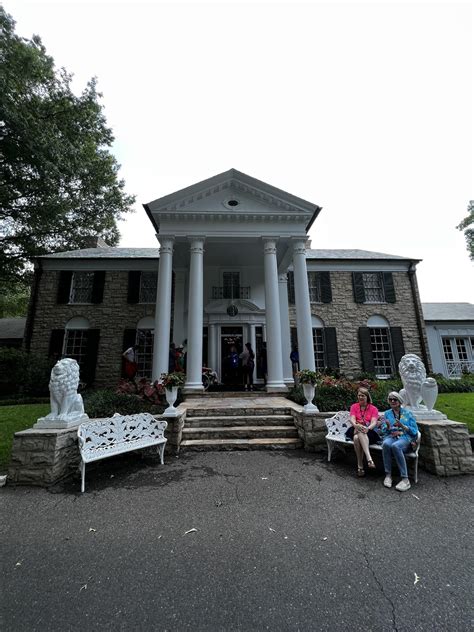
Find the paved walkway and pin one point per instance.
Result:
(237, 541)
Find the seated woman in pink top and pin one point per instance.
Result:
(364, 418)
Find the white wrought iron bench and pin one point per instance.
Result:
(340, 423)
(102, 438)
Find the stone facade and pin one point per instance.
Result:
(112, 317)
(347, 316)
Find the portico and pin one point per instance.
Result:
(228, 242)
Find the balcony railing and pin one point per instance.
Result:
(457, 367)
(227, 292)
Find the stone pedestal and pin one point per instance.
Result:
(43, 456)
(445, 448)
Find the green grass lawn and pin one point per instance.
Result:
(458, 407)
(14, 419)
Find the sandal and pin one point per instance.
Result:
(371, 464)
(360, 471)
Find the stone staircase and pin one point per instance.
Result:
(239, 423)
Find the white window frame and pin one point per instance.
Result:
(223, 273)
(389, 363)
(314, 287)
(75, 345)
(455, 365)
(144, 354)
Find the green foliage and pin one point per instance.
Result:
(333, 394)
(465, 384)
(13, 419)
(457, 407)
(23, 373)
(56, 170)
(306, 376)
(465, 225)
(168, 380)
(104, 403)
(14, 300)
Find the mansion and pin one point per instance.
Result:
(234, 266)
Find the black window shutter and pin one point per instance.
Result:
(366, 350)
(291, 287)
(331, 356)
(90, 363)
(56, 344)
(358, 285)
(326, 292)
(389, 288)
(98, 287)
(64, 286)
(129, 339)
(133, 295)
(398, 346)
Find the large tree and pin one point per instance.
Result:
(469, 232)
(59, 183)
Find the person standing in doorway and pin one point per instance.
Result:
(248, 365)
(295, 360)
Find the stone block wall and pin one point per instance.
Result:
(112, 317)
(347, 316)
(445, 448)
(43, 457)
(312, 430)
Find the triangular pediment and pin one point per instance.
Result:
(231, 192)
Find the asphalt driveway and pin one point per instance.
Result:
(237, 541)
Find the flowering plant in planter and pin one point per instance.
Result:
(306, 376)
(168, 380)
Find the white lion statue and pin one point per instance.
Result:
(67, 407)
(416, 386)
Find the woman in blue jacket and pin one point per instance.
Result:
(399, 431)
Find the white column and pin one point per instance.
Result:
(285, 329)
(213, 346)
(303, 307)
(161, 344)
(272, 315)
(195, 317)
(179, 332)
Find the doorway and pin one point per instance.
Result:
(231, 348)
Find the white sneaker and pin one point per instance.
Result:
(403, 485)
(387, 481)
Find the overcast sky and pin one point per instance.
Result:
(362, 108)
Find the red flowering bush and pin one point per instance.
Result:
(152, 393)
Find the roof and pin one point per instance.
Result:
(154, 253)
(11, 328)
(353, 254)
(448, 311)
(106, 253)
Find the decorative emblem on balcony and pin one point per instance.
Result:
(232, 310)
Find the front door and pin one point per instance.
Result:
(231, 348)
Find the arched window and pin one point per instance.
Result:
(76, 340)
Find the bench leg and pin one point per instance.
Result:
(329, 449)
(416, 469)
(161, 448)
(83, 477)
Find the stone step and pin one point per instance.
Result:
(226, 394)
(241, 432)
(274, 443)
(239, 420)
(240, 411)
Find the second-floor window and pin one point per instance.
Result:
(81, 287)
(148, 283)
(319, 285)
(231, 284)
(373, 287)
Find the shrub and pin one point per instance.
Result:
(104, 403)
(23, 373)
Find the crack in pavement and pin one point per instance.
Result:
(380, 585)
